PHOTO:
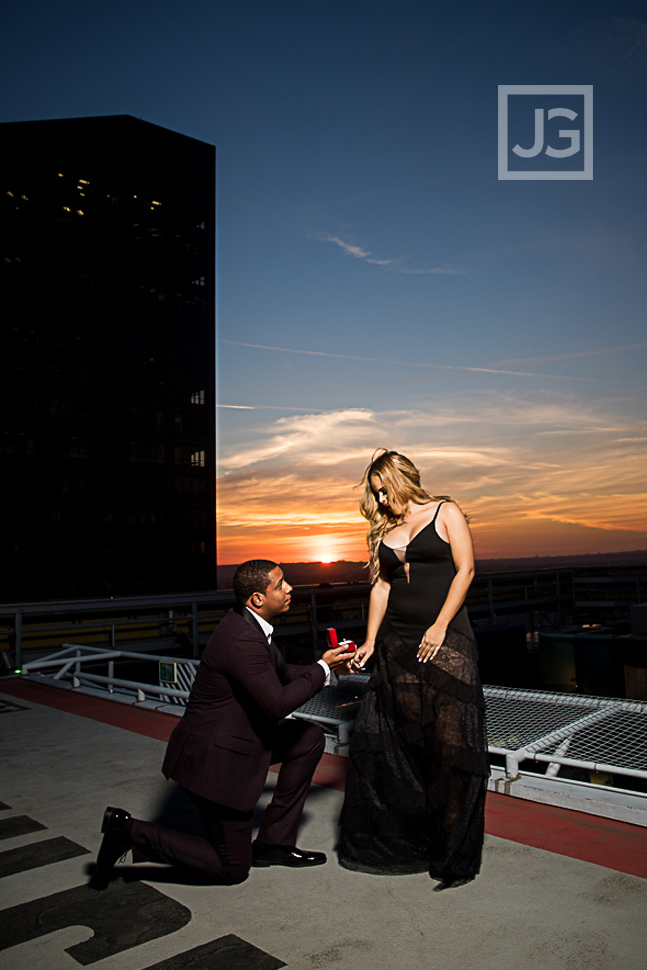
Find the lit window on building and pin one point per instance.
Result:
(78, 448)
(197, 459)
(197, 397)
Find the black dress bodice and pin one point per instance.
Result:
(420, 583)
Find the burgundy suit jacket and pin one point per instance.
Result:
(221, 748)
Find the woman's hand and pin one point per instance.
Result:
(432, 641)
(364, 653)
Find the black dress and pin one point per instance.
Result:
(418, 764)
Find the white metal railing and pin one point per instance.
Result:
(592, 733)
(68, 664)
(599, 733)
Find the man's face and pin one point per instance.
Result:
(275, 599)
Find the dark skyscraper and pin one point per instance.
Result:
(107, 444)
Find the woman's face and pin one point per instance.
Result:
(380, 492)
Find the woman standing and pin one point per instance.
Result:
(418, 765)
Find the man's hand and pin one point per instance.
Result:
(338, 658)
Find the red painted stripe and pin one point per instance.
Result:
(331, 772)
(605, 842)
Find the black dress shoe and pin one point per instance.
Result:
(116, 826)
(284, 855)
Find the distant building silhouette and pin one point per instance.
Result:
(107, 435)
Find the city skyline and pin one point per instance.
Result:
(377, 284)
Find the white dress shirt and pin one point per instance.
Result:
(268, 630)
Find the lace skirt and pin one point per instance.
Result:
(418, 764)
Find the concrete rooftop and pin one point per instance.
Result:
(559, 890)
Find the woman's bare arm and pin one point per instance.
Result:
(376, 610)
(459, 537)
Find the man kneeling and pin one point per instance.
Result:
(234, 727)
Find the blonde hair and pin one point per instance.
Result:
(401, 481)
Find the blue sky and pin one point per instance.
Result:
(377, 283)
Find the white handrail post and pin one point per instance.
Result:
(512, 764)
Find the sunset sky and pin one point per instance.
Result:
(377, 284)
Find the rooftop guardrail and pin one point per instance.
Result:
(595, 734)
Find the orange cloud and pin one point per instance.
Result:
(540, 477)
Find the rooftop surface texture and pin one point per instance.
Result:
(558, 889)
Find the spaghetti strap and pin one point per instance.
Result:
(437, 511)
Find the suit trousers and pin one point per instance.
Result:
(224, 856)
